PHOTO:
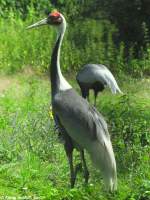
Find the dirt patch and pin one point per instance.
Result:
(28, 71)
(5, 83)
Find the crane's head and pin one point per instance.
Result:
(54, 18)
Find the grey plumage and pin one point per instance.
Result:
(59, 83)
(88, 128)
(81, 125)
(96, 77)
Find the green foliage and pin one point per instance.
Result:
(88, 41)
(128, 16)
(129, 122)
(131, 18)
(23, 7)
(27, 49)
(32, 46)
(33, 162)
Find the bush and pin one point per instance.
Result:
(21, 48)
(129, 126)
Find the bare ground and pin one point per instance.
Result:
(5, 82)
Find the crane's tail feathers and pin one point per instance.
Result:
(104, 159)
(115, 89)
(119, 91)
(112, 84)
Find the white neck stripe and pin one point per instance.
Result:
(64, 85)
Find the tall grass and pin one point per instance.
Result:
(20, 48)
(87, 41)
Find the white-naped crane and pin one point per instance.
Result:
(96, 77)
(80, 123)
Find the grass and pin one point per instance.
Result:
(86, 41)
(33, 164)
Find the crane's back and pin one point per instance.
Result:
(90, 73)
(99, 75)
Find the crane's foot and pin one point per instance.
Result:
(78, 168)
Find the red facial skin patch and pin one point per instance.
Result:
(54, 14)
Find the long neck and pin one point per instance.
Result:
(58, 82)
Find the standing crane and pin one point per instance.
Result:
(79, 122)
(96, 77)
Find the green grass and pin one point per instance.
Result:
(86, 41)
(32, 160)
(33, 163)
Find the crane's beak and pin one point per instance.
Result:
(39, 23)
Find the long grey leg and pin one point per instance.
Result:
(68, 146)
(72, 172)
(88, 96)
(85, 169)
(78, 168)
(95, 101)
(95, 94)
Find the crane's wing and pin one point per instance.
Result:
(63, 136)
(82, 121)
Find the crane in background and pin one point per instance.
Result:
(96, 77)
